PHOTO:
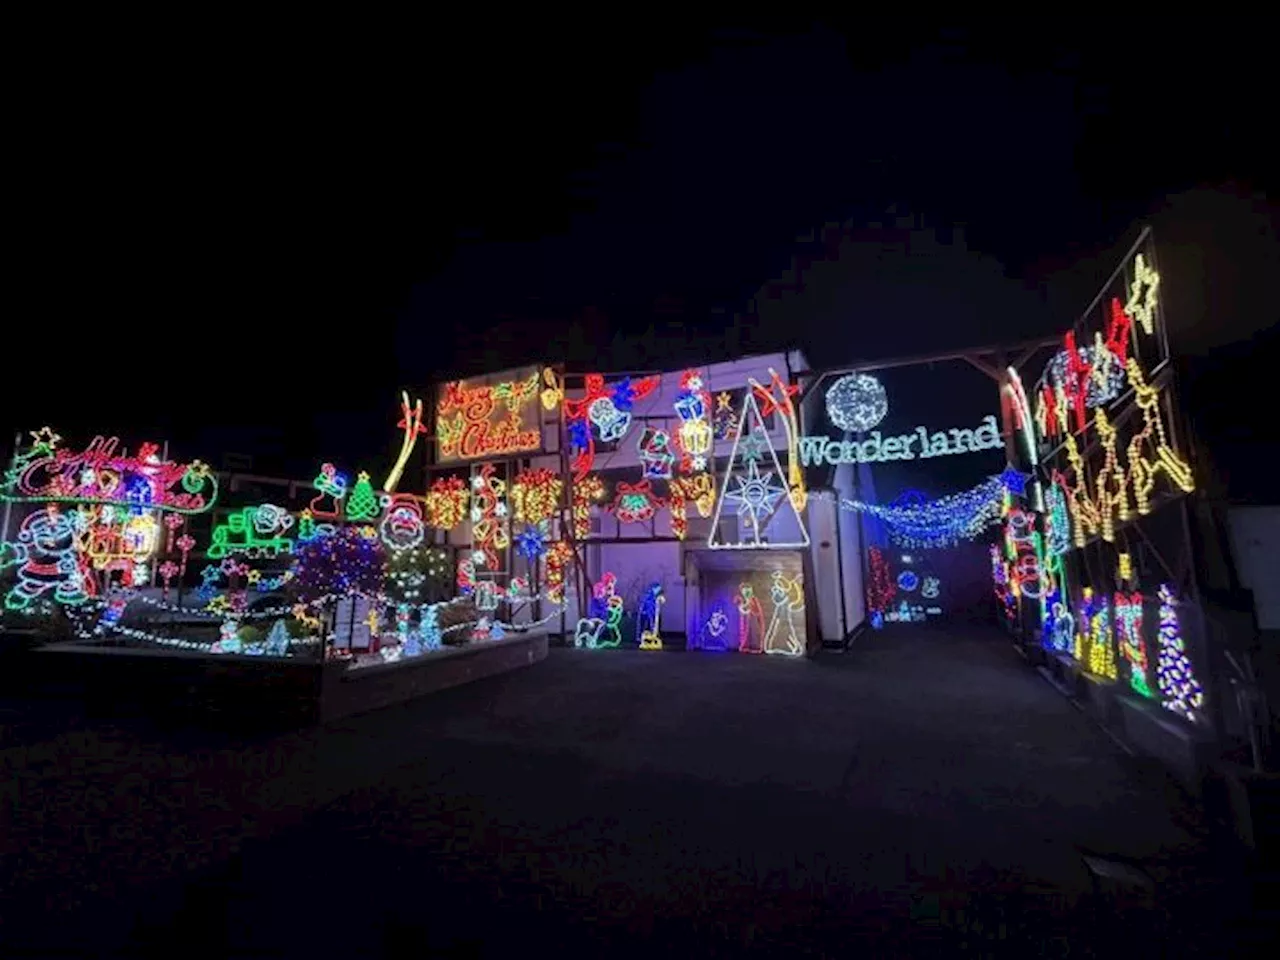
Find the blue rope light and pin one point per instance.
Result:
(923, 524)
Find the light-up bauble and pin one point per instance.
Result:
(857, 402)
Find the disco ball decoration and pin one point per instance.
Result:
(857, 402)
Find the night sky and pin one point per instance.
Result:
(255, 252)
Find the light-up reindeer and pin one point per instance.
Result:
(411, 424)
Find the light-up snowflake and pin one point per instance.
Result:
(857, 402)
(756, 495)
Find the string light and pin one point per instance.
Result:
(253, 531)
(921, 524)
(351, 560)
(880, 582)
(402, 526)
(1180, 691)
(786, 410)
(857, 402)
(1057, 520)
(693, 408)
(531, 542)
(714, 629)
(448, 501)
(535, 495)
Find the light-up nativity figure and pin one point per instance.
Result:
(649, 618)
(788, 602)
(750, 620)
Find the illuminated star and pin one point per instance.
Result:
(218, 604)
(253, 576)
(45, 437)
(752, 448)
(756, 496)
(1141, 305)
(1015, 482)
(723, 402)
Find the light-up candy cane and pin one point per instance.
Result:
(168, 570)
(173, 521)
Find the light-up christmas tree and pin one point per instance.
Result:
(363, 503)
(1180, 691)
(277, 642)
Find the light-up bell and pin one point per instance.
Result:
(609, 420)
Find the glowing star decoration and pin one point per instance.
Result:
(45, 555)
(753, 495)
(402, 526)
(559, 555)
(635, 502)
(788, 601)
(750, 614)
(101, 474)
(535, 495)
(489, 516)
(1143, 290)
(1128, 616)
(654, 448)
(586, 491)
(649, 618)
(448, 501)
(487, 421)
(552, 393)
(857, 402)
(327, 505)
(782, 403)
(411, 424)
(1180, 691)
(608, 409)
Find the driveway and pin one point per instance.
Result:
(924, 791)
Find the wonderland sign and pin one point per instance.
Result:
(920, 445)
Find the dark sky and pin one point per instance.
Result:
(253, 246)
